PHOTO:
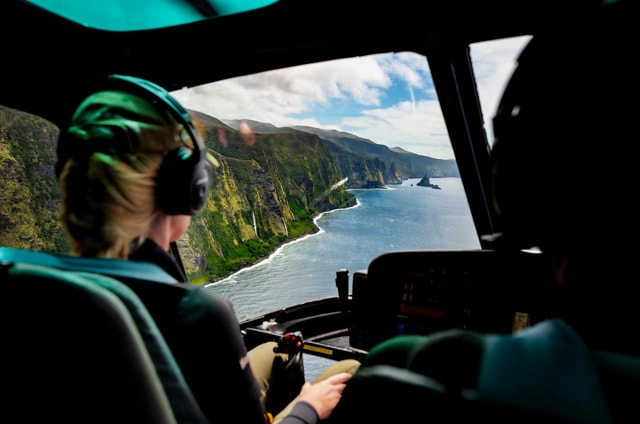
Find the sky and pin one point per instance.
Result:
(388, 98)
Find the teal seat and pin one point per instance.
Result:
(543, 374)
(90, 271)
(183, 403)
(116, 268)
(72, 353)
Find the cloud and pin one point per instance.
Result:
(388, 98)
(493, 63)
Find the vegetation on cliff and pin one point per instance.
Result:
(270, 185)
(29, 197)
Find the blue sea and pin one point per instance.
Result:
(399, 217)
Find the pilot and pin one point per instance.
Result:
(564, 175)
(564, 178)
(133, 170)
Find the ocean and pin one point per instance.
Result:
(400, 217)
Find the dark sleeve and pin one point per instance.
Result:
(213, 358)
(301, 413)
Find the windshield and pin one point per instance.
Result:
(384, 176)
(322, 168)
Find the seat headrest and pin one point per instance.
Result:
(117, 268)
(563, 164)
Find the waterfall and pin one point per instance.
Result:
(255, 227)
(339, 183)
(335, 186)
(286, 202)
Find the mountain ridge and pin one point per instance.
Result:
(405, 164)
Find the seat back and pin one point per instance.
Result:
(542, 374)
(388, 394)
(383, 393)
(73, 353)
(546, 369)
(116, 268)
(90, 270)
(183, 403)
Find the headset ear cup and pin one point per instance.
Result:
(182, 183)
(199, 186)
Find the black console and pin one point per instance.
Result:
(419, 292)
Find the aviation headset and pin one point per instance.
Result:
(183, 178)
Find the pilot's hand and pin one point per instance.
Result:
(324, 395)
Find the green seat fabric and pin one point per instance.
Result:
(185, 408)
(388, 394)
(544, 368)
(543, 374)
(112, 267)
(90, 270)
(73, 353)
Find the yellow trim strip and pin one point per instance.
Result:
(318, 349)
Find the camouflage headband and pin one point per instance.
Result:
(122, 122)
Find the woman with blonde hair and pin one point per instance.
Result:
(133, 169)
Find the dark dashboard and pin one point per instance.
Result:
(421, 292)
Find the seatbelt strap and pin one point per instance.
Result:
(175, 253)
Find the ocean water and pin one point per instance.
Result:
(397, 218)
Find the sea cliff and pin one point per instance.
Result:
(269, 186)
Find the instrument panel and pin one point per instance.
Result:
(420, 292)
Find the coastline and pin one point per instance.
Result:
(319, 230)
(278, 250)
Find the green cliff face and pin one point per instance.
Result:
(270, 185)
(29, 197)
(368, 164)
(267, 191)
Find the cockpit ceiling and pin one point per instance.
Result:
(127, 15)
